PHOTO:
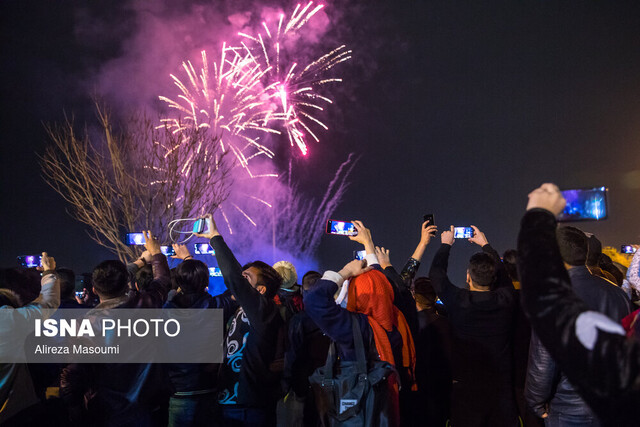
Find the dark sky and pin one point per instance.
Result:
(456, 108)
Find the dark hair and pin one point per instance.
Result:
(425, 295)
(510, 262)
(24, 283)
(67, 282)
(482, 269)
(309, 279)
(573, 245)
(110, 278)
(269, 277)
(144, 276)
(594, 249)
(192, 276)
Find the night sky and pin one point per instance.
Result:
(456, 108)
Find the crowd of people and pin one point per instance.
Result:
(547, 334)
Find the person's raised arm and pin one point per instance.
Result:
(249, 298)
(410, 269)
(323, 310)
(157, 291)
(440, 264)
(402, 296)
(588, 347)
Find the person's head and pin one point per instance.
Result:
(262, 277)
(573, 245)
(424, 293)
(110, 279)
(309, 279)
(143, 277)
(594, 250)
(288, 273)
(192, 276)
(10, 280)
(482, 272)
(510, 262)
(21, 286)
(67, 279)
(371, 293)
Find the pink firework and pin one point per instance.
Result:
(294, 87)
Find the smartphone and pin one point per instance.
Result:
(359, 254)
(585, 204)
(201, 225)
(429, 219)
(627, 249)
(134, 239)
(215, 272)
(462, 232)
(30, 261)
(80, 294)
(342, 228)
(167, 250)
(203, 249)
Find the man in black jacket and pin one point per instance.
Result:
(481, 319)
(548, 391)
(249, 382)
(590, 348)
(121, 394)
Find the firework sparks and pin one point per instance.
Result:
(229, 101)
(253, 90)
(293, 87)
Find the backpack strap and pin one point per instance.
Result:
(359, 345)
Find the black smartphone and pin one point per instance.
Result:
(429, 219)
(585, 204)
(462, 232)
(627, 249)
(30, 261)
(134, 239)
(342, 228)
(167, 250)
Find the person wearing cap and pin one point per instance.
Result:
(289, 296)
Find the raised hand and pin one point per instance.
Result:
(547, 196)
(211, 230)
(447, 237)
(151, 243)
(383, 257)
(478, 237)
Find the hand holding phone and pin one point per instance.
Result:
(210, 230)
(478, 237)
(47, 262)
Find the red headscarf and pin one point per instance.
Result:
(372, 294)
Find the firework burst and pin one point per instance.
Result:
(292, 86)
(230, 101)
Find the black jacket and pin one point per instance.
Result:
(187, 378)
(481, 324)
(259, 385)
(118, 393)
(546, 384)
(588, 347)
